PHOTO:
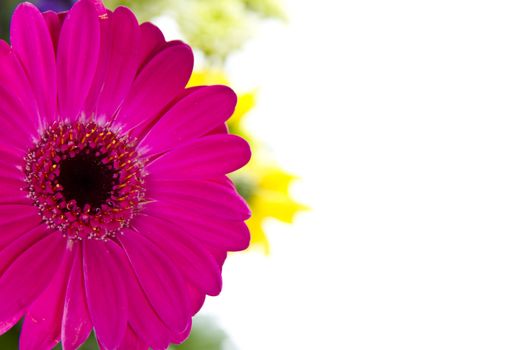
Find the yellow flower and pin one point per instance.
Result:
(262, 182)
(268, 195)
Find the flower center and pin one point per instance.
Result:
(85, 179)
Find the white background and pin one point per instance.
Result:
(406, 122)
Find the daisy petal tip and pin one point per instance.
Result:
(24, 13)
(24, 8)
(26, 5)
(185, 52)
(244, 241)
(126, 12)
(188, 54)
(244, 150)
(227, 94)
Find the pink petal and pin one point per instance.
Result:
(11, 165)
(12, 134)
(8, 200)
(54, 23)
(76, 322)
(142, 316)
(122, 62)
(16, 220)
(18, 110)
(196, 298)
(13, 246)
(226, 235)
(43, 321)
(8, 150)
(12, 184)
(106, 40)
(203, 158)
(27, 276)
(12, 155)
(190, 257)
(151, 42)
(164, 288)
(195, 295)
(78, 51)
(106, 294)
(117, 65)
(221, 129)
(219, 254)
(196, 114)
(13, 175)
(181, 337)
(132, 341)
(202, 197)
(225, 181)
(156, 86)
(13, 74)
(33, 45)
(11, 191)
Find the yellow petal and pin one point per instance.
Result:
(208, 77)
(259, 239)
(245, 103)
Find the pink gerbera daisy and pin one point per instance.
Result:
(115, 210)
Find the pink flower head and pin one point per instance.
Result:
(115, 210)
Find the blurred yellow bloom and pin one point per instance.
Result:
(269, 197)
(262, 182)
(216, 27)
(266, 8)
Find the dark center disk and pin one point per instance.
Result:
(86, 179)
